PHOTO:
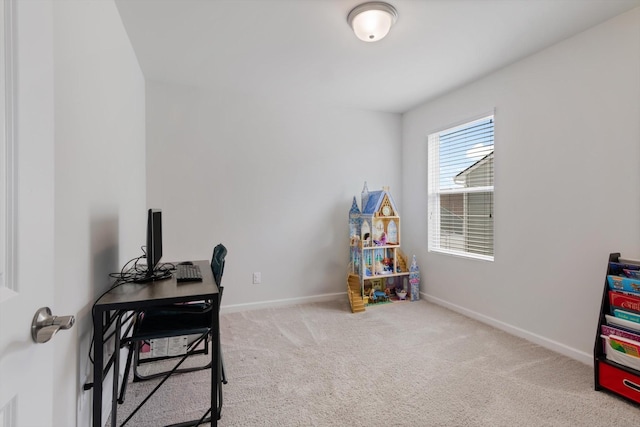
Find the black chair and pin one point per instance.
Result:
(173, 321)
(217, 268)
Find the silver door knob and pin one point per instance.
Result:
(45, 326)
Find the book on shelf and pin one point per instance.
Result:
(632, 262)
(627, 315)
(617, 268)
(616, 352)
(626, 324)
(624, 284)
(619, 331)
(625, 345)
(634, 274)
(625, 301)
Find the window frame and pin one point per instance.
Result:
(434, 192)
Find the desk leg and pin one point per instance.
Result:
(98, 366)
(215, 355)
(116, 372)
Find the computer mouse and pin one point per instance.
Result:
(186, 263)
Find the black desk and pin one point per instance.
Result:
(134, 297)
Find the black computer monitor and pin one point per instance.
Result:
(154, 240)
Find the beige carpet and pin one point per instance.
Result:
(401, 364)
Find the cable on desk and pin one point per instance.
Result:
(127, 274)
(122, 278)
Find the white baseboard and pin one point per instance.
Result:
(578, 355)
(281, 302)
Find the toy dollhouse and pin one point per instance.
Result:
(378, 269)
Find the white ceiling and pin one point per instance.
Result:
(294, 49)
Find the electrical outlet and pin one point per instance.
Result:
(257, 278)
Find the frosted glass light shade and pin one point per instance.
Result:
(372, 21)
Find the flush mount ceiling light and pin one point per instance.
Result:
(372, 21)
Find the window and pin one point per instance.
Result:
(460, 183)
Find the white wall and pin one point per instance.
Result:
(271, 179)
(100, 215)
(567, 132)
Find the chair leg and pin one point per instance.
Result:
(219, 387)
(136, 361)
(223, 376)
(127, 369)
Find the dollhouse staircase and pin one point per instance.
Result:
(402, 261)
(354, 292)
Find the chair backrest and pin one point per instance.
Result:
(217, 262)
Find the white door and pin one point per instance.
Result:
(26, 377)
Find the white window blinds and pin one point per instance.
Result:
(460, 186)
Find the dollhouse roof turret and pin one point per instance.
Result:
(364, 197)
(378, 203)
(355, 210)
(355, 222)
